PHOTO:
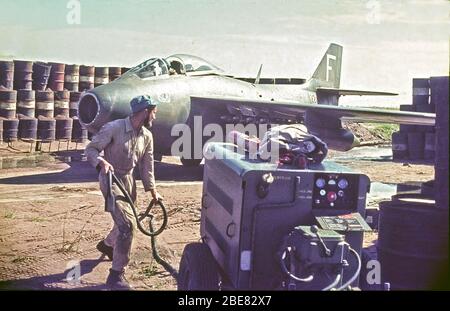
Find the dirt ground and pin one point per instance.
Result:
(52, 216)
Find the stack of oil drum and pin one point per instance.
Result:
(413, 227)
(416, 142)
(39, 101)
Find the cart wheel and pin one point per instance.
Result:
(198, 269)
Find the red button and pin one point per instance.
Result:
(331, 196)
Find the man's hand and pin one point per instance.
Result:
(156, 196)
(105, 165)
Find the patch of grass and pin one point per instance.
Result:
(149, 271)
(37, 219)
(20, 259)
(382, 130)
(9, 215)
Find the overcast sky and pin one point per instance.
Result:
(386, 43)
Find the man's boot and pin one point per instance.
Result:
(116, 280)
(105, 249)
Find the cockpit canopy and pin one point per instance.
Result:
(174, 64)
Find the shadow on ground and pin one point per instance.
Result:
(56, 281)
(81, 171)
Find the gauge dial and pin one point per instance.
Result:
(343, 183)
(320, 183)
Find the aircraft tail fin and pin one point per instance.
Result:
(328, 73)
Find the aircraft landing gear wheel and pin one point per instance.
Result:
(190, 162)
(198, 269)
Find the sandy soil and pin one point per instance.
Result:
(51, 217)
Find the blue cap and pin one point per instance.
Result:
(141, 102)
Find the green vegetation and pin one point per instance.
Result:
(9, 215)
(149, 271)
(382, 130)
(37, 219)
(20, 259)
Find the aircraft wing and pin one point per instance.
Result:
(343, 92)
(292, 109)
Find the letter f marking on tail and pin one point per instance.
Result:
(329, 68)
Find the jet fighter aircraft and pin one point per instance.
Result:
(187, 86)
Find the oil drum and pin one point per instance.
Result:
(41, 74)
(46, 129)
(72, 77)
(439, 92)
(421, 91)
(86, 78)
(1, 129)
(45, 104)
(79, 133)
(8, 100)
(416, 145)
(73, 103)
(427, 189)
(62, 103)
(10, 129)
(114, 73)
(23, 75)
(101, 76)
(430, 145)
(26, 103)
(56, 79)
(7, 74)
(28, 128)
(63, 128)
(412, 243)
(399, 145)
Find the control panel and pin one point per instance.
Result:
(335, 191)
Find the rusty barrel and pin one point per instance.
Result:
(416, 145)
(79, 133)
(26, 103)
(72, 77)
(23, 75)
(64, 128)
(114, 73)
(56, 79)
(73, 103)
(412, 243)
(7, 74)
(28, 128)
(399, 145)
(41, 74)
(10, 129)
(101, 76)
(439, 92)
(407, 127)
(421, 91)
(8, 100)
(86, 78)
(45, 104)
(46, 129)
(62, 99)
(430, 146)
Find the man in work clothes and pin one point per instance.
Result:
(125, 142)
